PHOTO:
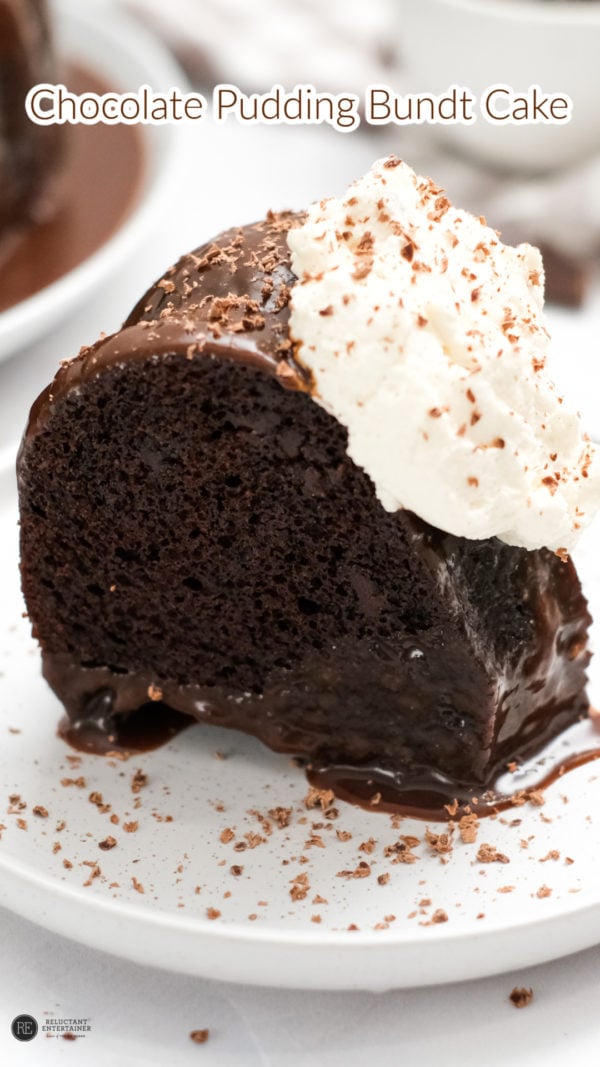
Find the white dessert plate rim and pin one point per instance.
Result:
(270, 935)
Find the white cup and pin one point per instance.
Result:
(478, 43)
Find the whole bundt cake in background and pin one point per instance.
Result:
(193, 531)
(28, 153)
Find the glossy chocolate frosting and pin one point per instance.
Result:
(450, 658)
(228, 299)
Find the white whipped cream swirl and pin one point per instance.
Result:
(426, 339)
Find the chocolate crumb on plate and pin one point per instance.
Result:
(489, 854)
(138, 781)
(439, 916)
(521, 996)
(199, 1037)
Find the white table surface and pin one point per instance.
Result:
(143, 1016)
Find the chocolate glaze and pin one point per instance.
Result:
(491, 668)
(176, 315)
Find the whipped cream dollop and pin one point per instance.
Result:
(425, 338)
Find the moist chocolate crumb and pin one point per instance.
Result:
(520, 996)
(108, 843)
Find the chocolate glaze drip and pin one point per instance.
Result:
(451, 657)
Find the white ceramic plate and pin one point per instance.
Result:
(121, 52)
(262, 935)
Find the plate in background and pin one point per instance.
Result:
(122, 53)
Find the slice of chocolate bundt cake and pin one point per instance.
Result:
(193, 531)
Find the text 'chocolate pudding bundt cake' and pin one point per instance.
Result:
(311, 504)
(29, 153)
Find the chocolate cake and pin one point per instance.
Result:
(28, 152)
(193, 532)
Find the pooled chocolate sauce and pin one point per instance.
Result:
(97, 187)
(424, 798)
(143, 730)
(423, 793)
